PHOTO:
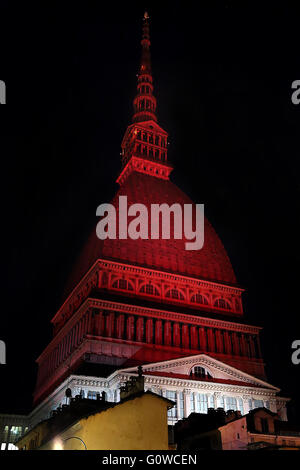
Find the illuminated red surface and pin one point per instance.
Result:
(126, 333)
(209, 263)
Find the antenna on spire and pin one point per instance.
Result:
(144, 102)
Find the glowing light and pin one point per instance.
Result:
(58, 445)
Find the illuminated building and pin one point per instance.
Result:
(178, 313)
(138, 421)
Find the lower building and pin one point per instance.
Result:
(137, 422)
(12, 427)
(195, 383)
(221, 430)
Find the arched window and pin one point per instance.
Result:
(149, 289)
(174, 294)
(122, 284)
(222, 303)
(200, 372)
(199, 299)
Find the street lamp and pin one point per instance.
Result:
(58, 443)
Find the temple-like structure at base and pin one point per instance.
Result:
(151, 302)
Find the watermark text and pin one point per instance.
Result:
(187, 221)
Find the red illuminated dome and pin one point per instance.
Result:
(209, 263)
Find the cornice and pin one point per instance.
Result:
(151, 273)
(169, 276)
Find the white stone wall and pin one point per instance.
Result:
(218, 395)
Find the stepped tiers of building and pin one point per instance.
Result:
(178, 313)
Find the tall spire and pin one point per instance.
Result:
(145, 143)
(144, 103)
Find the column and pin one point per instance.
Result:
(246, 406)
(244, 349)
(187, 402)
(185, 336)
(227, 342)
(149, 330)
(219, 341)
(194, 337)
(110, 319)
(216, 399)
(273, 405)
(176, 335)
(202, 339)
(252, 346)
(130, 328)
(210, 400)
(120, 326)
(140, 329)
(258, 347)
(158, 332)
(89, 313)
(235, 342)
(211, 339)
(167, 334)
(96, 325)
(178, 405)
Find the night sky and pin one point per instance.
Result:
(223, 73)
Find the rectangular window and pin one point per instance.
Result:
(171, 395)
(264, 425)
(231, 403)
(240, 406)
(258, 403)
(203, 403)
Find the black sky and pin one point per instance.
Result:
(223, 74)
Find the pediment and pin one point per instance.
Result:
(217, 369)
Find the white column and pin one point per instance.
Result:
(282, 411)
(216, 399)
(187, 402)
(178, 405)
(245, 399)
(210, 400)
(273, 405)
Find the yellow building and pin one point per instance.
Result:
(138, 422)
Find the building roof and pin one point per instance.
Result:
(81, 408)
(210, 263)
